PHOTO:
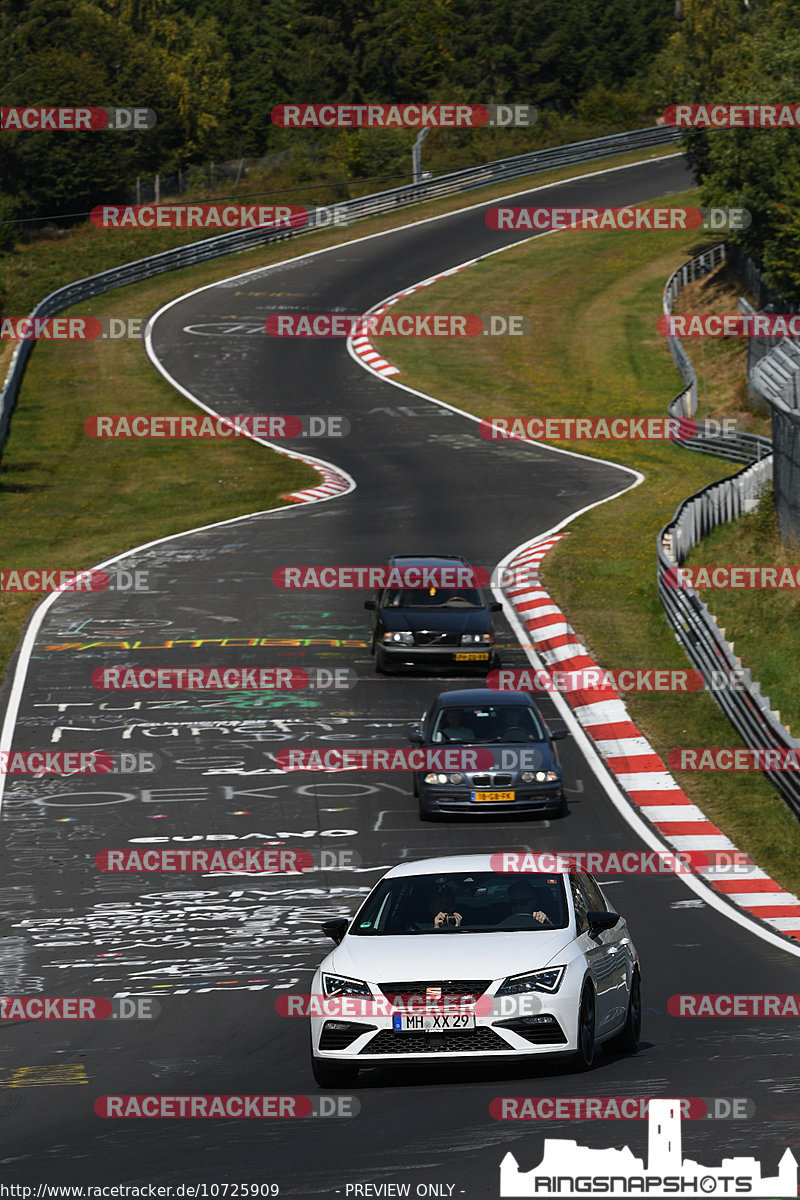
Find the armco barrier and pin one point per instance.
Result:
(736, 446)
(352, 210)
(775, 377)
(695, 627)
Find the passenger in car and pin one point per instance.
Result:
(451, 729)
(438, 911)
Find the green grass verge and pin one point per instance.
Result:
(746, 614)
(68, 500)
(594, 299)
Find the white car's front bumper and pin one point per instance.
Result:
(534, 1025)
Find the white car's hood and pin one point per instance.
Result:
(428, 957)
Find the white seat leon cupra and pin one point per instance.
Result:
(457, 959)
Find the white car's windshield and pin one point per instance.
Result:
(463, 902)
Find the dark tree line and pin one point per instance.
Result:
(214, 69)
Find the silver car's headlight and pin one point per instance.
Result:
(399, 637)
(440, 777)
(539, 776)
(547, 980)
(475, 639)
(336, 985)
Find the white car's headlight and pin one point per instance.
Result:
(399, 637)
(475, 639)
(440, 777)
(547, 980)
(336, 985)
(539, 776)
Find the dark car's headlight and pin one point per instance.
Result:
(337, 985)
(399, 637)
(547, 980)
(475, 639)
(539, 776)
(440, 777)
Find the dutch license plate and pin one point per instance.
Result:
(433, 1022)
(471, 657)
(495, 797)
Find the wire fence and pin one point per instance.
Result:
(150, 189)
(343, 213)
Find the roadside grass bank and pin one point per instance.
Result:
(764, 625)
(68, 500)
(596, 352)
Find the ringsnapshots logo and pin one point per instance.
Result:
(404, 116)
(202, 679)
(259, 425)
(408, 325)
(111, 579)
(225, 1106)
(73, 119)
(733, 116)
(568, 1169)
(545, 220)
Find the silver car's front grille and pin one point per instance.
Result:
(495, 779)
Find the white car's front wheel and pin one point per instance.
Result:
(627, 1041)
(584, 1056)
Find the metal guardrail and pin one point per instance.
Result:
(350, 210)
(736, 446)
(732, 686)
(696, 629)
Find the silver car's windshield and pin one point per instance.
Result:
(463, 902)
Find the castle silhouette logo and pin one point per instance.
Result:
(568, 1169)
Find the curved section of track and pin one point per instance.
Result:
(425, 481)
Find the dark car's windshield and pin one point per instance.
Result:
(474, 902)
(487, 723)
(432, 597)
